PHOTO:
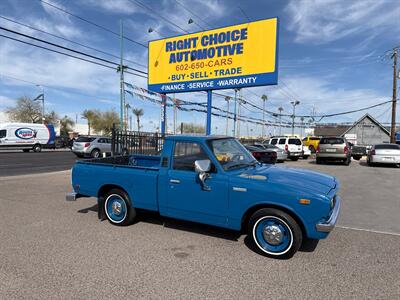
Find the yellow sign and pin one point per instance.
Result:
(231, 57)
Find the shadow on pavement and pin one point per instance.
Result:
(384, 166)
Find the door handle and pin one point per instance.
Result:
(176, 181)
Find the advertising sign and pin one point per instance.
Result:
(236, 56)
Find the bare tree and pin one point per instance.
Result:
(25, 110)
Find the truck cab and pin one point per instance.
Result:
(214, 180)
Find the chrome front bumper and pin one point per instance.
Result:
(330, 224)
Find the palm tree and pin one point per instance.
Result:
(66, 124)
(89, 115)
(138, 112)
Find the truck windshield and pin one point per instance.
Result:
(231, 154)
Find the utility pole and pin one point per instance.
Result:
(121, 70)
(264, 99)
(227, 99)
(235, 113)
(394, 102)
(238, 114)
(175, 103)
(294, 103)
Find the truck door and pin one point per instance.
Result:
(185, 197)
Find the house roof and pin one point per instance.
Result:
(368, 116)
(341, 130)
(330, 130)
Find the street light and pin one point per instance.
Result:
(294, 103)
(41, 98)
(227, 99)
(280, 119)
(264, 99)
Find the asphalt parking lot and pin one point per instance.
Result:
(19, 163)
(51, 248)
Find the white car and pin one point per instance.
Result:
(292, 145)
(306, 152)
(384, 154)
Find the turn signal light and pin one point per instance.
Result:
(346, 149)
(318, 149)
(304, 201)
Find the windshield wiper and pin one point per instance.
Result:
(239, 165)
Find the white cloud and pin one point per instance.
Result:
(324, 21)
(6, 102)
(114, 6)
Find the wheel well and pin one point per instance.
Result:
(246, 217)
(105, 188)
(95, 150)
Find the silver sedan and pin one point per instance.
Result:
(384, 154)
(281, 155)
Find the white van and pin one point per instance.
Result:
(26, 136)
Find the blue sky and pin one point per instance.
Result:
(331, 54)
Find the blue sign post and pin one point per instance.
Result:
(209, 107)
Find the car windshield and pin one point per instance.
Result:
(85, 139)
(231, 154)
(391, 147)
(331, 141)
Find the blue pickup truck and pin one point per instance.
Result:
(214, 180)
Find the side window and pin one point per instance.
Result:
(185, 154)
(108, 141)
(273, 141)
(3, 133)
(100, 141)
(282, 141)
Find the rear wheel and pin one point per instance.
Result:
(318, 161)
(95, 153)
(37, 148)
(118, 208)
(275, 233)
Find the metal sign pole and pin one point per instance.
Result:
(209, 104)
(163, 112)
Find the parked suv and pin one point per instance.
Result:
(311, 142)
(292, 145)
(91, 146)
(334, 148)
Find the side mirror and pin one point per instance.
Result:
(202, 167)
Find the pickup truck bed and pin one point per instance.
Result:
(97, 174)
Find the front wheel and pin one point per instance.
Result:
(118, 208)
(275, 233)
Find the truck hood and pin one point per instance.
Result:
(300, 179)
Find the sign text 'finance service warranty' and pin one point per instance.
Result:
(231, 57)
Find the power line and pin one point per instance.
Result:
(68, 40)
(158, 14)
(68, 49)
(67, 54)
(92, 23)
(191, 12)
